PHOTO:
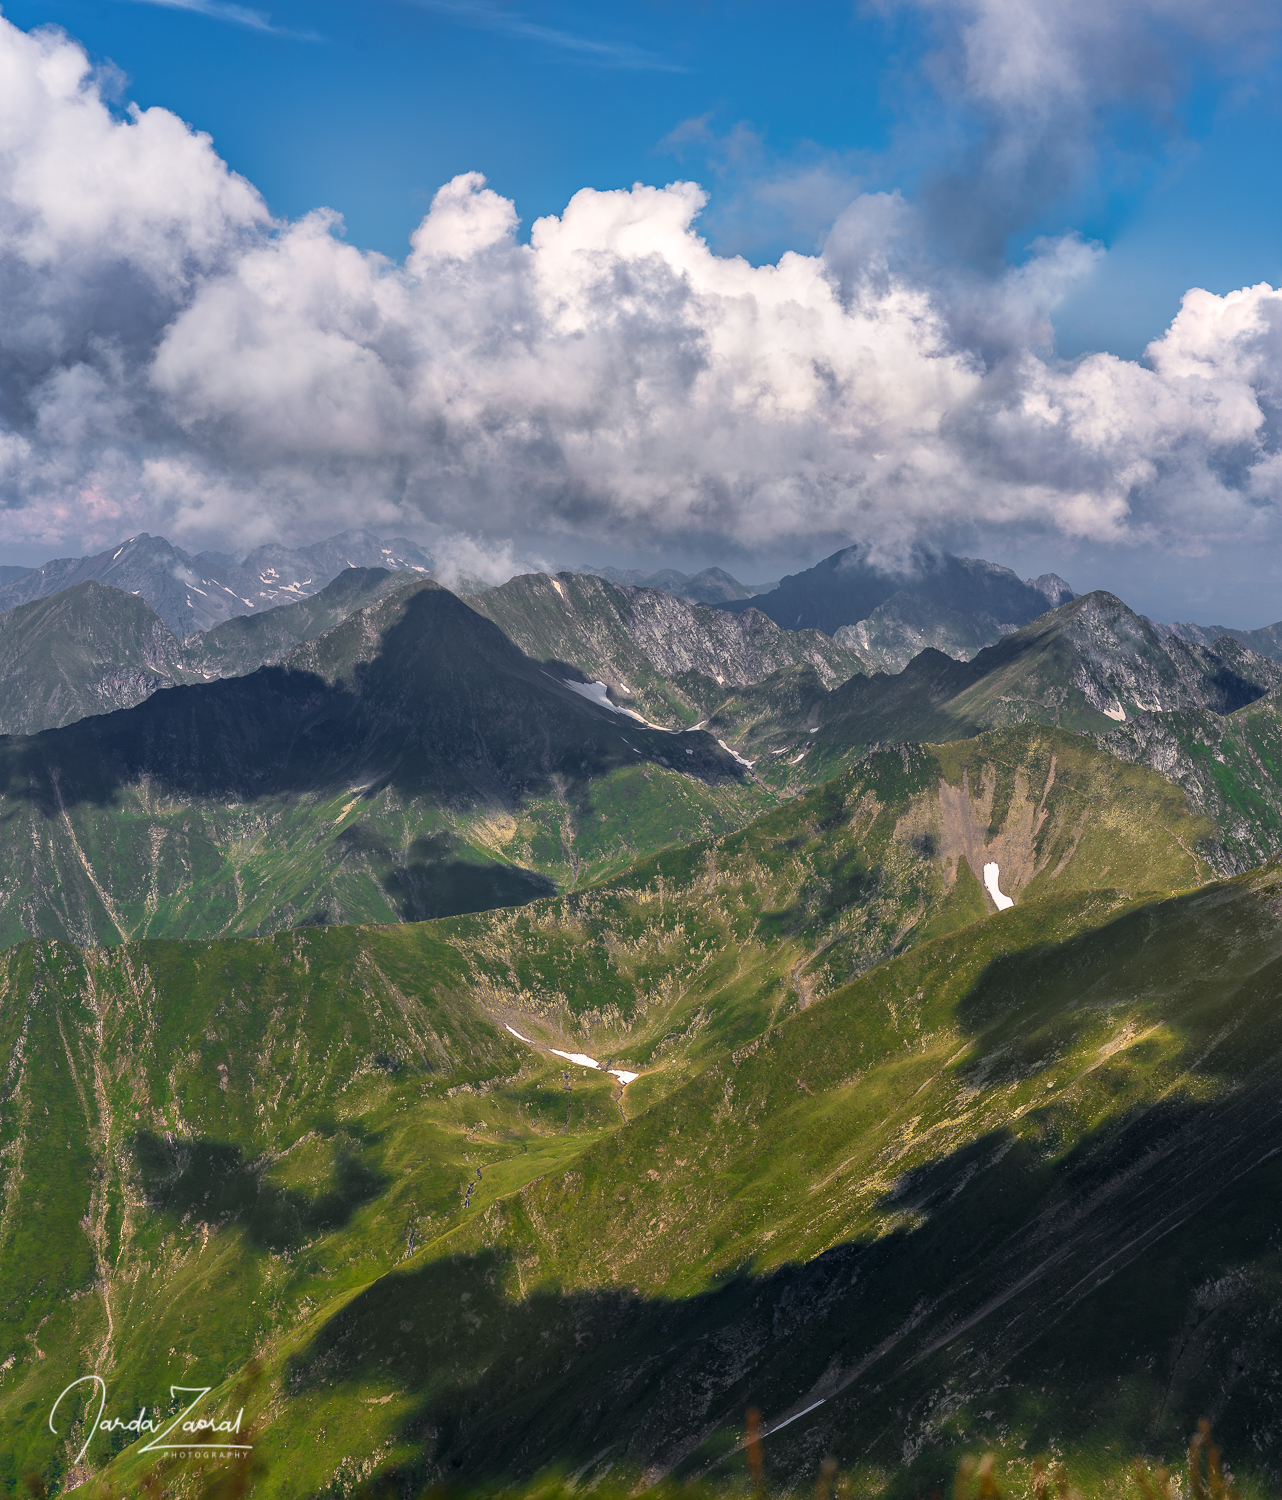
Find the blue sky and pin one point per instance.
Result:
(368, 107)
(1000, 190)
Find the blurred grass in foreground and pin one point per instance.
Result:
(976, 1479)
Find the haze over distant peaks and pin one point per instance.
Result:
(711, 586)
(195, 593)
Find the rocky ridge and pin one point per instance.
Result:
(671, 661)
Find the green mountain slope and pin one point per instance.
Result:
(93, 649)
(1013, 1191)
(1086, 666)
(672, 662)
(214, 1151)
(246, 642)
(88, 650)
(1229, 766)
(409, 763)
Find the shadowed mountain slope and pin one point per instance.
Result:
(671, 661)
(1010, 1189)
(408, 760)
(960, 594)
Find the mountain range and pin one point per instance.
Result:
(711, 586)
(494, 1043)
(192, 594)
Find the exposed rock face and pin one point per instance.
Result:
(1227, 765)
(1267, 640)
(673, 661)
(1125, 666)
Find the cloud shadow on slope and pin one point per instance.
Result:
(447, 707)
(1075, 1286)
(1104, 1341)
(211, 1182)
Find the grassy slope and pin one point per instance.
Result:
(408, 764)
(94, 649)
(246, 642)
(87, 650)
(1011, 1190)
(227, 1142)
(1229, 765)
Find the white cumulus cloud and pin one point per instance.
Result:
(171, 358)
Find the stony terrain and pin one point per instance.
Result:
(673, 662)
(479, 1084)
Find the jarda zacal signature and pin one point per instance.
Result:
(185, 1433)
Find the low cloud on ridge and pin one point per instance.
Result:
(172, 359)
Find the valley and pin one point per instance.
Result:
(507, 1038)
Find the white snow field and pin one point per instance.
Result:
(991, 876)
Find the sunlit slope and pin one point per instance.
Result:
(1230, 767)
(700, 948)
(1014, 1190)
(409, 763)
(202, 1143)
(88, 650)
(93, 648)
(1086, 666)
(241, 1135)
(246, 642)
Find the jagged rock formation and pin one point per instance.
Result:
(1267, 641)
(1229, 766)
(673, 662)
(914, 619)
(1087, 665)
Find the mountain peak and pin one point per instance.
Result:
(192, 594)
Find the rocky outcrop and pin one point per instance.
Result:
(672, 661)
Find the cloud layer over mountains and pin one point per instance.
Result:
(172, 359)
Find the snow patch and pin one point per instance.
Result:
(737, 756)
(560, 588)
(991, 876)
(583, 1060)
(1117, 712)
